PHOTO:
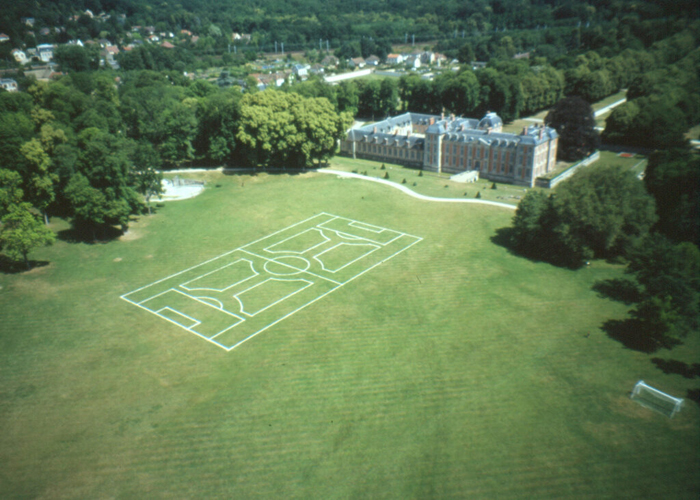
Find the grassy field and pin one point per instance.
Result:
(454, 370)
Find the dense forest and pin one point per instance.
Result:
(304, 23)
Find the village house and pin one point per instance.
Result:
(45, 52)
(8, 84)
(19, 55)
(394, 59)
(357, 62)
(301, 71)
(372, 61)
(330, 61)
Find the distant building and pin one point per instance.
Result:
(301, 71)
(45, 52)
(413, 61)
(394, 59)
(19, 55)
(372, 61)
(456, 144)
(330, 61)
(357, 62)
(8, 84)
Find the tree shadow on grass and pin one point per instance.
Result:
(544, 250)
(672, 366)
(620, 290)
(9, 266)
(636, 335)
(694, 395)
(77, 234)
(504, 238)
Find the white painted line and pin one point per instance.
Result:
(212, 302)
(253, 314)
(269, 249)
(323, 266)
(252, 268)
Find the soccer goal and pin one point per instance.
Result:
(654, 399)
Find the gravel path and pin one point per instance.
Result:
(413, 193)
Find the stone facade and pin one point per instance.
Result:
(456, 144)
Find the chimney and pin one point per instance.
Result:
(541, 133)
(524, 130)
(432, 121)
(374, 131)
(488, 130)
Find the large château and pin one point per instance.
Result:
(454, 144)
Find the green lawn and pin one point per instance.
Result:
(611, 99)
(453, 370)
(432, 183)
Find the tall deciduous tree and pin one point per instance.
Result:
(673, 179)
(670, 279)
(10, 190)
(21, 232)
(280, 129)
(573, 120)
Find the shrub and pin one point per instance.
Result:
(420, 173)
(403, 181)
(493, 186)
(478, 195)
(386, 175)
(382, 167)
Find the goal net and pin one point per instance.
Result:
(656, 400)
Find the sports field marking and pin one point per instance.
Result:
(266, 284)
(250, 289)
(367, 227)
(193, 322)
(339, 245)
(289, 242)
(252, 274)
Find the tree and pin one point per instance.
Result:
(21, 232)
(77, 58)
(11, 193)
(459, 93)
(465, 54)
(670, 279)
(573, 120)
(672, 177)
(40, 179)
(101, 193)
(601, 212)
(280, 129)
(148, 180)
(388, 97)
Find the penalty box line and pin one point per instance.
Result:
(226, 348)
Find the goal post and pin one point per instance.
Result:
(655, 399)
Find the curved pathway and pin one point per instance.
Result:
(410, 192)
